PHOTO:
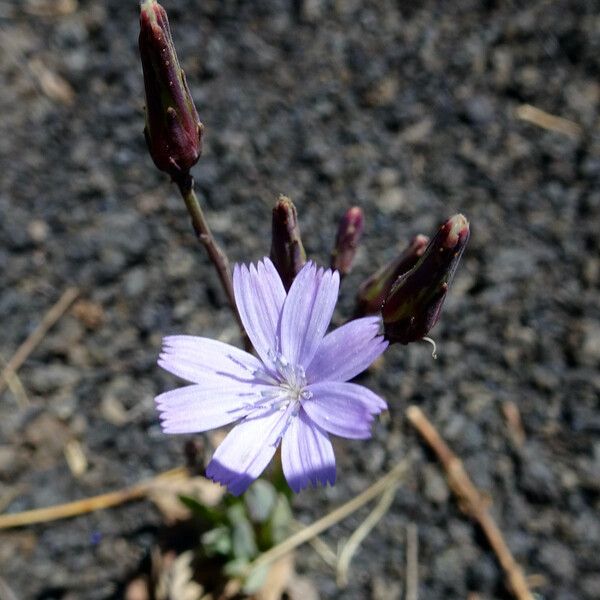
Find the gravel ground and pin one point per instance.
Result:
(409, 110)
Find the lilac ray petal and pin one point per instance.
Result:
(259, 296)
(344, 409)
(307, 312)
(198, 360)
(246, 451)
(196, 408)
(347, 351)
(307, 454)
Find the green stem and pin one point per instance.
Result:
(215, 254)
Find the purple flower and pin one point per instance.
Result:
(294, 393)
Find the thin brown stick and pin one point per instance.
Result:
(412, 562)
(539, 117)
(471, 501)
(514, 422)
(37, 335)
(87, 505)
(213, 250)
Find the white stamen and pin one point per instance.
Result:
(288, 383)
(432, 342)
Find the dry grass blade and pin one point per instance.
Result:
(15, 385)
(50, 8)
(311, 531)
(412, 562)
(319, 546)
(6, 592)
(87, 505)
(362, 532)
(37, 335)
(539, 117)
(52, 85)
(471, 501)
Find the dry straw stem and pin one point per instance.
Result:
(539, 117)
(6, 593)
(319, 546)
(87, 505)
(37, 335)
(471, 501)
(15, 385)
(359, 534)
(412, 562)
(390, 480)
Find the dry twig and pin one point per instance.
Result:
(390, 479)
(37, 335)
(87, 505)
(15, 385)
(6, 593)
(514, 423)
(539, 117)
(412, 562)
(471, 501)
(359, 534)
(319, 546)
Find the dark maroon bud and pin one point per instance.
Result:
(173, 130)
(287, 251)
(373, 292)
(415, 301)
(349, 233)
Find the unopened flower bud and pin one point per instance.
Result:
(173, 130)
(415, 301)
(350, 231)
(287, 251)
(373, 292)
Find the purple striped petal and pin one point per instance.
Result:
(307, 313)
(247, 450)
(259, 296)
(202, 360)
(307, 454)
(344, 409)
(196, 408)
(347, 351)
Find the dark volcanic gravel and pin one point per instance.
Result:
(407, 109)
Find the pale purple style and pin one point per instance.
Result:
(294, 393)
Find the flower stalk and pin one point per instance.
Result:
(173, 130)
(213, 250)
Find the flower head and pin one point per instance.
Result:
(415, 301)
(350, 231)
(287, 251)
(295, 392)
(373, 292)
(173, 130)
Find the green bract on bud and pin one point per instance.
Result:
(350, 231)
(415, 301)
(287, 251)
(373, 292)
(173, 130)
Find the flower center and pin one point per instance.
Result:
(288, 383)
(292, 378)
